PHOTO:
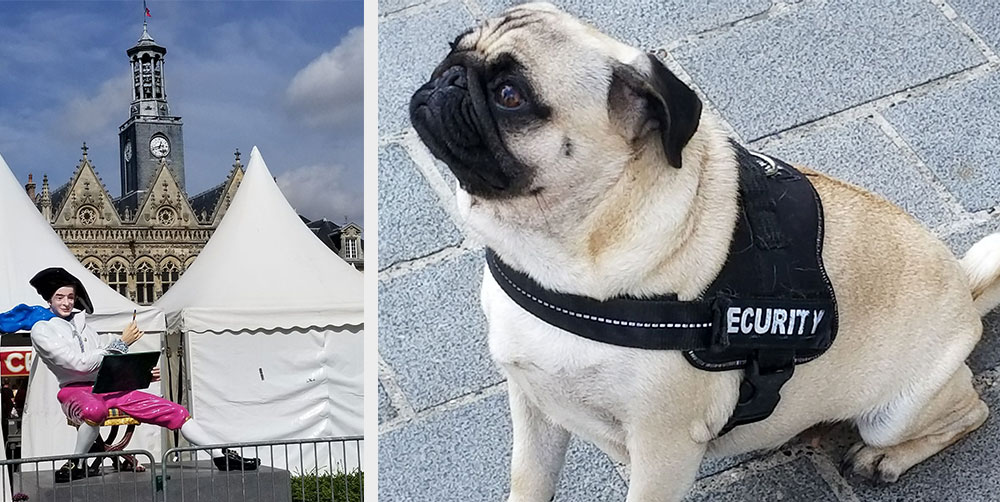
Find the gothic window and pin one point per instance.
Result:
(118, 278)
(144, 284)
(87, 215)
(169, 274)
(94, 268)
(351, 248)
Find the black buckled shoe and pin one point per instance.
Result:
(76, 470)
(232, 461)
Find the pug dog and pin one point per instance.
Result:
(586, 165)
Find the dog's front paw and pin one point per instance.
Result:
(881, 465)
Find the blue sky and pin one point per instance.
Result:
(285, 76)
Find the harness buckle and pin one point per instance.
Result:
(760, 389)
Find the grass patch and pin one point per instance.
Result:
(324, 486)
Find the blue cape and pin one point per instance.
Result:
(23, 317)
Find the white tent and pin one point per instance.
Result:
(31, 245)
(272, 323)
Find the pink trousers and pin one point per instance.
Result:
(79, 403)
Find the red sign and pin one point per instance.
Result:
(15, 362)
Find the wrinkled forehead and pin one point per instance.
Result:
(536, 35)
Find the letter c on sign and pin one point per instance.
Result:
(14, 362)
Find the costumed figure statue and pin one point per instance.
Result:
(73, 351)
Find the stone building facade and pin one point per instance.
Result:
(142, 242)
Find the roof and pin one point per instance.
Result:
(130, 202)
(58, 195)
(207, 200)
(327, 231)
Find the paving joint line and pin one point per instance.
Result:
(776, 9)
(397, 398)
(828, 470)
(882, 103)
(450, 405)
(983, 217)
(402, 268)
(622, 471)
(389, 139)
(962, 219)
(424, 161)
(955, 207)
(952, 15)
(474, 8)
(410, 9)
(952, 228)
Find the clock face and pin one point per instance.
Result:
(159, 146)
(128, 151)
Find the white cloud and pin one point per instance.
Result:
(322, 192)
(94, 116)
(329, 91)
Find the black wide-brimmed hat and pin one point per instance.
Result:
(49, 280)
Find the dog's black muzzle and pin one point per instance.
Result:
(452, 115)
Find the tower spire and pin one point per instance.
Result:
(151, 136)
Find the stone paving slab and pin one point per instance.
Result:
(420, 226)
(859, 153)
(427, 460)
(649, 23)
(410, 45)
(987, 353)
(983, 17)
(796, 480)
(459, 455)
(964, 472)
(955, 132)
(823, 57)
(434, 334)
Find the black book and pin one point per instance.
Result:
(124, 372)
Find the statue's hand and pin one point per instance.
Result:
(131, 334)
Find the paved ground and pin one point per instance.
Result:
(902, 97)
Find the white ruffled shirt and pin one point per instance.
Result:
(71, 349)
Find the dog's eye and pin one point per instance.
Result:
(509, 97)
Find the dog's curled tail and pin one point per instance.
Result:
(982, 265)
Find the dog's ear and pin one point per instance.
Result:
(660, 102)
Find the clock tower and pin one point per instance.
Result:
(151, 135)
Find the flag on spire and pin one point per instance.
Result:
(147, 9)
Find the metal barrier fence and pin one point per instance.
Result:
(307, 470)
(97, 485)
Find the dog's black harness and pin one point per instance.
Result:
(771, 307)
